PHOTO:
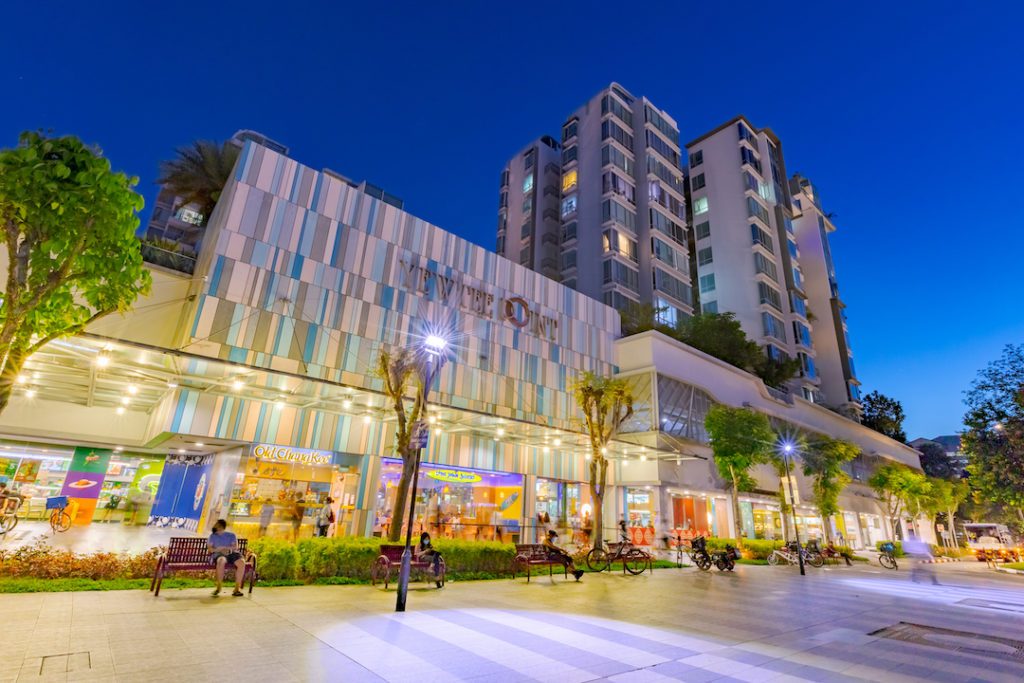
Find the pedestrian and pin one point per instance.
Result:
(297, 512)
(324, 518)
(560, 555)
(425, 552)
(113, 501)
(921, 554)
(224, 552)
(266, 515)
(588, 528)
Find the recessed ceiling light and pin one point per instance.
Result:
(237, 384)
(279, 403)
(132, 389)
(437, 431)
(433, 419)
(346, 404)
(172, 385)
(103, 360)
(120, 410)
(181, 450)
(366, 419)
(30, 393)
(558, 442)
(22, 379)
(546, 449)
(118, 449)
(200, 444)
(125, 400)
(501, 432)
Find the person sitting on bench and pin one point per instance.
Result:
(425, 552)
(560, 555)
(223, 552)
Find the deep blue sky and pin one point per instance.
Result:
(906, 117)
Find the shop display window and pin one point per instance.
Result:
(564, 507)
(280, 499)
(454, 502)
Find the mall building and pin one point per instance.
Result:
(245, 388)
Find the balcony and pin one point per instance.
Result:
(167, 254)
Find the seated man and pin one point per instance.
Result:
(223, 552)
(559, 555)
(9, 500)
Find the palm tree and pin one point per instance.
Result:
(199, 173)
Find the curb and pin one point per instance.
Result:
(1007, 570)
(940, 560)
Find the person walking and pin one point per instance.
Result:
(324, 518)
(266, 515)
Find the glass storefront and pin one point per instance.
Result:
(761, 520)
(455, 502)
(640, 514)
(562, 506)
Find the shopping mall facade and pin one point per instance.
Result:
(247, 390)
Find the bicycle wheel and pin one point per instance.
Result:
(635, 561)
(598, 560)
(703, 562)
(815, 559)
(60, 520)
(7, 523)
(887, 561)
(773, 559)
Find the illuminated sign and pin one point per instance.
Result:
(454, 476)
(454, 290)
(285, 454)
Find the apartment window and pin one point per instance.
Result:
(611, 210)
(667, 226)
(673, 286)
(697, 158)
(807, 368)
(619, 273)
(773, 327)
(665, 200)
(610, 129)
(569, 130)
(854, 391)
(700, 205)
(853, 371)
(614, 241)
(792, 249)
(665, 253)
(749, 158)
(618, 300)
(709, 307)
(569, 180)
(702, 230)
(766, 266)
(652, 116)
(766, 192)
(504, 177)
(746, 134)
(760, 236)
(750, 182)
(707, 283)
(500, 246)
(528, 160)
(697, 182)
(528, 183)
(503, 199)
(788, 222)
(528, 204)
(569, 232)
(569, 154)
(570, 283)
(663, 148)
(798, 278)
(616, 157)
(755, 210)
(798, 204)
(613, 182)
(569, 205)
(704, 256)
(769, 295)
(612, 104)
(798, 303)
(775, 353)
(526, 256)
(801, 333)
(526, 230)
(666, 313)
(568, 259)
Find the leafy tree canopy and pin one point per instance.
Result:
(69, 226)
(199, 173)
(740, 438)
(997, 394)
(936, 463)
(884, 415)
(823, 461)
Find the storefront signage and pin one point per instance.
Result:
(454, 476)
(286, 454)
(453, 290)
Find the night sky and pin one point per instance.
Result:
(907, 118)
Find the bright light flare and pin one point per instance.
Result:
(435, 343)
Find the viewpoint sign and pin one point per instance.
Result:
(455, 290)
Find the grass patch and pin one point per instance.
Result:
(743, 560)
(1015, 565)
(29, 585)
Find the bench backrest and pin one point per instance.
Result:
(392, 551)
(532, 551)
(194, 550)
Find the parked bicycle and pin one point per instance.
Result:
(790, 554)
(828, 553)
(634, 560)
(9, 515)
(60, 518)
(887, 555)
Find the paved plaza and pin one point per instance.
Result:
(758, 624)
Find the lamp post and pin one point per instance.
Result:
(433, 352)
(787, 448)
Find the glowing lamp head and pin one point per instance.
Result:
(787, 447)
(435, 343)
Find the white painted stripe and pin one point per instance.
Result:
(598, 646)
(493, 649)
(384, 659)
(664, 637)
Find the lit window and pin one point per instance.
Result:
(700, 205)
(528, 183)
(569, 180)
(568, 205)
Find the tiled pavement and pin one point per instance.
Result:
(758, 624)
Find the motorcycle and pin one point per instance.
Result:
(699, 553)
(725, 560)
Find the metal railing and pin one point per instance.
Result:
(158, 256)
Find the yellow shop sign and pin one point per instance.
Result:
(454, 476)
(285, 454)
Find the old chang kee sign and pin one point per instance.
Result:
(285, 454)
(454, 291)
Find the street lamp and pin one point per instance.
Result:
(787, 449)
(433, 354)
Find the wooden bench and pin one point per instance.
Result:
(391, 558)
(534, 554)
(193, 555)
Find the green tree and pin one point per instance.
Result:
(402, 373)
(69, 232)
(823, 462)
(936, 463)
(899, 487)
(606, 404)
(884, 415)
(740, 438)
(994, 440)
(199, 173)
(945, 497)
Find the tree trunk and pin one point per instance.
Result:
(598, 478)
(784, 510)
(826, 525)
(9, 375)
(737, 521)
(401, 496)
